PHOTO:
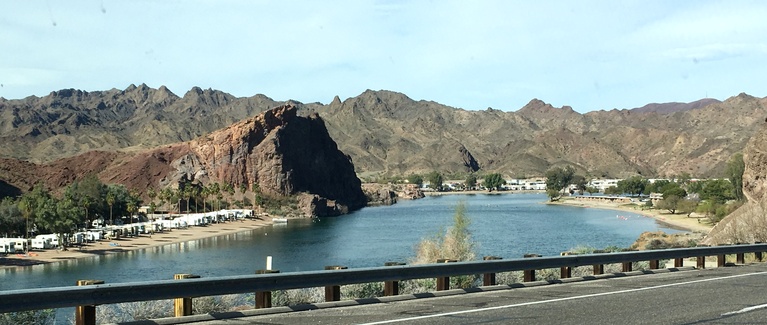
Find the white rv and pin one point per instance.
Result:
(41, 243)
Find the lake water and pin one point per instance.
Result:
(507, 225)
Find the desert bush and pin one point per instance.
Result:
(132, 311)
(454, 244)
(417, 286)
(298, 296)
(32, 317)
(219, 304)
(362, 290)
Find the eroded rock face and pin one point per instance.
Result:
(755, 173)
(468, 160)
(748, 223)
(284, 154)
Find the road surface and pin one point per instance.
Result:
(711, 296)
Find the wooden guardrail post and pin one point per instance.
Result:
(678, 262)
(701, 262)
(627, 266)
(740, 258)
(529, 275)
(721, 260)
(264, 298)
(391, 288)
(758, 256)
(443, 282)
(566, 271)
(598, 268)
(488, 279)
(333, 292)
(86, 315)
(183, 306)
(654, 264)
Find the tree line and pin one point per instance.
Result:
(715, 198)
(40, 211)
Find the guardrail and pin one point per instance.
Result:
(89, 295)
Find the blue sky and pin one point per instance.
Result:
(590, 55)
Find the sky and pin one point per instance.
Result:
(590, 55)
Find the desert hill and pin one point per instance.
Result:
(388, 133)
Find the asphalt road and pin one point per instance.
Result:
(731, 295)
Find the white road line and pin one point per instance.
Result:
(567, 298)
(745, 310)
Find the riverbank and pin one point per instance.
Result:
(678, 221)
(105, 247)
(434, 193)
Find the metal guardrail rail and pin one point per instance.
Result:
(99, 294)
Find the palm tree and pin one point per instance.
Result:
(26, 205)
(257, 199)
(215, 189)
(196, 195)
(151, 193)
(187, 194)
(166, 195)
(205, 193)
(111, 202)
(86, 202)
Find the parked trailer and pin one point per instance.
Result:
(20, 244)
(52, 238)
(41, 243)
(7, 246)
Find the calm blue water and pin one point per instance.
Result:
(508, 225)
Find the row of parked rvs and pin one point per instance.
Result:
(49, 241)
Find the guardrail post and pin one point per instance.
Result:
(740, 258)
(678, 262)
(701, 262)
(333, 293)
(721, 260)
(566, 271)
(654, 264)
(264, 298)
(758, 256)
(86, 315)
(443, 282)
(391, 288)
(627, 266)
(599, 268)
(488, 279)
(529, 275)
(183, 306)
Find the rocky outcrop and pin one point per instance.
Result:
(748, 223)
(388, 194)
(283, 153)
(468, 160)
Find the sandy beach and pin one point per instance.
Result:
(678, 221)
(104, 247)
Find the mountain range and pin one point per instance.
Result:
(388, 133)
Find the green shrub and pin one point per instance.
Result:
(32, 317)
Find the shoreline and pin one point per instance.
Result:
(676, 221)
(117, 246)
(475, 192)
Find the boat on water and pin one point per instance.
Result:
(280, 220)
